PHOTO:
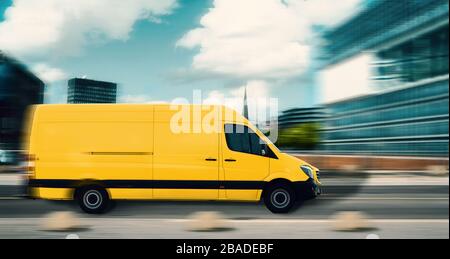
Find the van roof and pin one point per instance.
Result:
(62, 108)
(159, 106)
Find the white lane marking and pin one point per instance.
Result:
(72, 236)
(308, 221)
(254, 221)
(373, 236)
(11, 198)
(318, 221)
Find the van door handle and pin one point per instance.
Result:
(211, 159)
(230, 160)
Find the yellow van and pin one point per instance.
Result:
(96, 154)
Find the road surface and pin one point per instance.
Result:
(397, 207)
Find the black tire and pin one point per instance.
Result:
(279, 197)
(93, 199)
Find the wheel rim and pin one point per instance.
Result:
(280, 198)
(92, 199)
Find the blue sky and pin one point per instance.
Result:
(165, 49)
(142, 65)
(3, 5)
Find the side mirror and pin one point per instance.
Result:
(263, 149)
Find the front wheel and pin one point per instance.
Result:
(279, 198)
(93, 200)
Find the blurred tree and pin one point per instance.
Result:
(301, 136)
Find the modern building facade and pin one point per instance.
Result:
(412, 120)
(19, 89)
(90, 91)
(298, 116)
(384, 24)
(406, 112)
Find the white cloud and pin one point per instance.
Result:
(64, 27)
(251, 38)
(325, 12)
(260, 104)
(234, 96)
(49, 74)
(260, 39)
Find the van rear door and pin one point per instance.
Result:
(97, 143)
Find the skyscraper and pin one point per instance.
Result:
(91, 91)
(19, 89)
(407, 112)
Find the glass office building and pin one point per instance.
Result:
(420, 58)
(18, 90)
(90, 91)
(298, 116)
(408, 113)
(412, 120)
(383, 23)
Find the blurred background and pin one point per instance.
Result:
(362, 86)
(380, 80)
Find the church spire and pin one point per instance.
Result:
(245, 110)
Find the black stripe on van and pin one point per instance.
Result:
(151, 184)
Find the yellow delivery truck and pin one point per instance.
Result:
(96, 154)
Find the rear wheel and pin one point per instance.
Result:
(279, 198)
(93, 200)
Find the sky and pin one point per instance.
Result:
(160, 50)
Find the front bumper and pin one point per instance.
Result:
(307, 190)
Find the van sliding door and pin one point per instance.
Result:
(185, 164)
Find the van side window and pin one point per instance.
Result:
(237, 138)
(242, 139)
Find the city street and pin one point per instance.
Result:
(395, 209)
(133, 111)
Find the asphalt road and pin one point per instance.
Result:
(395, 208)
(380, 202)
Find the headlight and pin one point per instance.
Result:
(308, 171)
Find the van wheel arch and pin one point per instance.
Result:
(281, 181)
(276, 189)
(82, 184)
(86, 184)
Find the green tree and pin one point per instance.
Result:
(302, 136)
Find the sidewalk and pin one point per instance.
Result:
(11, 179)
(246, 229)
